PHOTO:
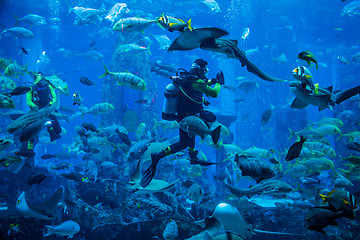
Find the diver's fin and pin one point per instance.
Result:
(346, 94)
(298, 104)
(150, 172)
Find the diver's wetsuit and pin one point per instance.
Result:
(192, 85)
(41, 95)
(190, 102)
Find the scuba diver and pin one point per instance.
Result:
(187, 90)
(42, 94)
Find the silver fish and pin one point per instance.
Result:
(18, 32)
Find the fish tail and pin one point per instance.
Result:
(155, 123)
(17, 20)
(106, 72)
(25, 69)
(291, 133)
(70, 9)
(323, 198)
(340, 136)
(48, 230)
(215, 134)
(316, 88)
(159, 17)
(148, 48)
(189, 24)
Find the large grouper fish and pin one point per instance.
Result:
(209, 39)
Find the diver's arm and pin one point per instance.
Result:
(201, 86)
(53, 95)
(29, 99)
(209, 82)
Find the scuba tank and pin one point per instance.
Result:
(171, 95)
(170, 102)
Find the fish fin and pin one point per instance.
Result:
(189, 24)
(308, 62)
(350, 214)
(161, 26)
(215, 134)
(323, 198)
(298, 104)
(320, 230)
(106, 72)
(173, 24)
(316, 88)
(308, 76)
(330, 193)
(346, 202)
(316, 66)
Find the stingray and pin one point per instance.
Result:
(154, 186)
(188, 40)
(226, 220)
(209, 39)
(213, 230)
(43, 210)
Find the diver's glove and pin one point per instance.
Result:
(219, 78)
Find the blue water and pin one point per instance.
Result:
(276, 27)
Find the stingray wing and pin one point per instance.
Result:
(47, 208)
(298, 104)
(188, 40)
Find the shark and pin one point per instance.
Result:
(268, 186)
(31, 117)
(44, 210)
(325, 98)
(154, 186)
(209, 39)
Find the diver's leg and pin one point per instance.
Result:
(155, 157)
(208, 117)
(55, 129)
